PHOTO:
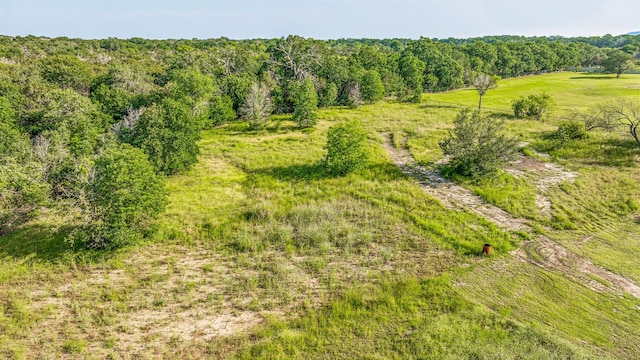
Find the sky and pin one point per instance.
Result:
(319, 19)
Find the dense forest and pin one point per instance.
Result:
(96, 125)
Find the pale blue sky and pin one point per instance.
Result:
(321, 19)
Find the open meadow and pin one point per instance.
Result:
(262, 254)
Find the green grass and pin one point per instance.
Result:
(502, 189)
(570, 91)
(603, 322)
(365, 265)
(407, 319)
(612, 246)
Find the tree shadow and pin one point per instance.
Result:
(316, 171)
(503, 116)
(594, 152)
(620, 153)
(594, 77)
(297, 172)
(274, 127)
(431, 105)
(383, 172)
(39, 242)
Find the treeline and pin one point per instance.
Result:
(98, 124)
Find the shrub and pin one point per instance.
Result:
(533, 106)
(570, 130)
(346, 151)
(126, 197)
(477, 146)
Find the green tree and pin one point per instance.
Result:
(66, 71)
(328, 95)
(194, 89)
(346, 148)
(477, 147)
(113, 101)
(617, 62)
(238, 87)
(121, 89)
(66, 131)
(168, 134)
(305, 103)
(412, 71)
(126, 197)
(73, 119)
(22, 188)
(12, 141)
(371, 86)
(221, 110)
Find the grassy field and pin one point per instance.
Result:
(262, 254)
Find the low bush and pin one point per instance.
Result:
(570, 130)
(533, 106)
(477, 147)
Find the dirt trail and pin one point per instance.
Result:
(452, 195)
(541, 251)
(550, 255)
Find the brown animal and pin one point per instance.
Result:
(486, 249)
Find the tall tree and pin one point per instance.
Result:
(617, 62)
(167, 132)
(21, 185)
(412, 71)
(257, 106)
(305, 103)
(371, 86)
(220, 110)
(483, 83)
(296, 57)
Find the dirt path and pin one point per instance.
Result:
(542, 251)
(550, 255)
(452, 195)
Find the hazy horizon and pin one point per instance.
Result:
(326, 19)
